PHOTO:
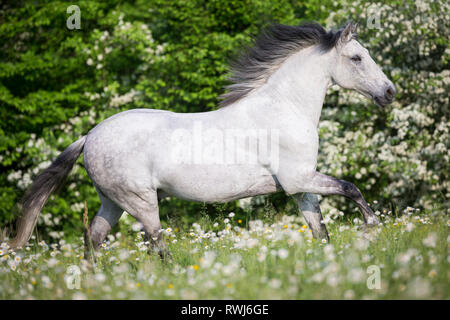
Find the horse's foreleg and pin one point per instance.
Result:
(322, 184)
(309, 206)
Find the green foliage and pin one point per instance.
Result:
(56, 84)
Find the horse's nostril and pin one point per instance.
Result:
(389, 94)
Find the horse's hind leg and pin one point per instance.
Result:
(104, 220)
(308, 204)
(144, 207)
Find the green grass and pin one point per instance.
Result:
(275, 259)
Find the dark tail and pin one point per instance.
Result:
(45, 183)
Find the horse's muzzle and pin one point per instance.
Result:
(387, 97)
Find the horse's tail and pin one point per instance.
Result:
(45, 183)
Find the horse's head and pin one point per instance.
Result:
(354, 68)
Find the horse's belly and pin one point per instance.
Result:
(218, 183)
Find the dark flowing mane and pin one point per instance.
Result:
(270, 49)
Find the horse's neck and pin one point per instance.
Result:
(298, 86)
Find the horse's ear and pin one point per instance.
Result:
(347, 33)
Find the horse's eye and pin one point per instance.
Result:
(356, 58)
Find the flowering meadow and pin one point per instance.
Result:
(405, 257)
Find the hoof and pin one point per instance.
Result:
(370, 234)
(322, 236)
(165, 255)
(372, 221)
(369, 229)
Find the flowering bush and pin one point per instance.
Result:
(56, 84)
(399, 154)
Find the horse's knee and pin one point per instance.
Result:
(349, 190)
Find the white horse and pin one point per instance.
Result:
(278, 87)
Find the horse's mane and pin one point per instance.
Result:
(270, 49)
